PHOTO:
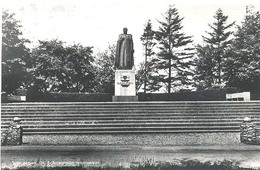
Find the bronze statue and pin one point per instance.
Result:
(124, 51)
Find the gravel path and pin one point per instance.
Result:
(35, 156)
(126, 150)
(186, 139)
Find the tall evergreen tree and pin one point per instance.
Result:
(148, 39)
(153, 78)
(218, 42)
(204, 73)
(140, 76)
(243, 69)
(175, 56)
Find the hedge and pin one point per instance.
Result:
(255, 95)
(34, 96)
(207, 95)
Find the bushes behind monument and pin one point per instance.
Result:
(34, 96)
(203, 95)
(208, 95)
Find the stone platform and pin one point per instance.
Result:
(125, 86)
(55, 118)
(125, 98)
(125, 83)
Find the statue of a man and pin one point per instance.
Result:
(124, 51)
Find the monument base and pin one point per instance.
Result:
(125, 98)
(125, 86)
(125, 83)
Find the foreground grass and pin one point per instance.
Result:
(148, 165)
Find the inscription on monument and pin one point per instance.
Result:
(125, 80)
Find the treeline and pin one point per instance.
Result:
(172, 61)
(224, 59)
(52, 65)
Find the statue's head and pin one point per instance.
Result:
(125, 30)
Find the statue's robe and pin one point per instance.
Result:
(124, 52)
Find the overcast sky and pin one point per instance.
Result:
(98, 23)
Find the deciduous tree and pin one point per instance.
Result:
(14, 54)
(60, 68)
(105, 71)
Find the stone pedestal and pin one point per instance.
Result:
(125, 86)
(13, 135)
(249, 134)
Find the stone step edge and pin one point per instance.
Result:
(129, 107)
(129, 132)
(130, 124)
(133, 103)
(129, 114)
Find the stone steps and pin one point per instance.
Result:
(129, 117)
(124, 130)
(184, 122)
(137, 118)
(96, 107)
(143, 124)
(133, 113)
(79, 121)
(141, 107)
(134, 117)
(130, 132)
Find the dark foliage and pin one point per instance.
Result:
(147, 69)
(34, 96)
(176, 51)
(105, 71)
(147, 165)
(243, 69)
(207, 95)
(212, 56)
(14, 54)
(59, 68)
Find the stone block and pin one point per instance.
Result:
(125, 83)
(244, 96)
(248, 133)
(125, 98)
(13, 135)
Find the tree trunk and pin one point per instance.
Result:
(145, 68)
(169, 77)
(170, 62)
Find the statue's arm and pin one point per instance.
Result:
(132, 44)
(118, 47)
(117, 53)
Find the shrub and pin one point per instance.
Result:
(206, 95)
(34, 96)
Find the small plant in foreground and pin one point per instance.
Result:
(185, 164)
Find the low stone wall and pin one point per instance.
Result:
(13, 135)
(249, 134)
